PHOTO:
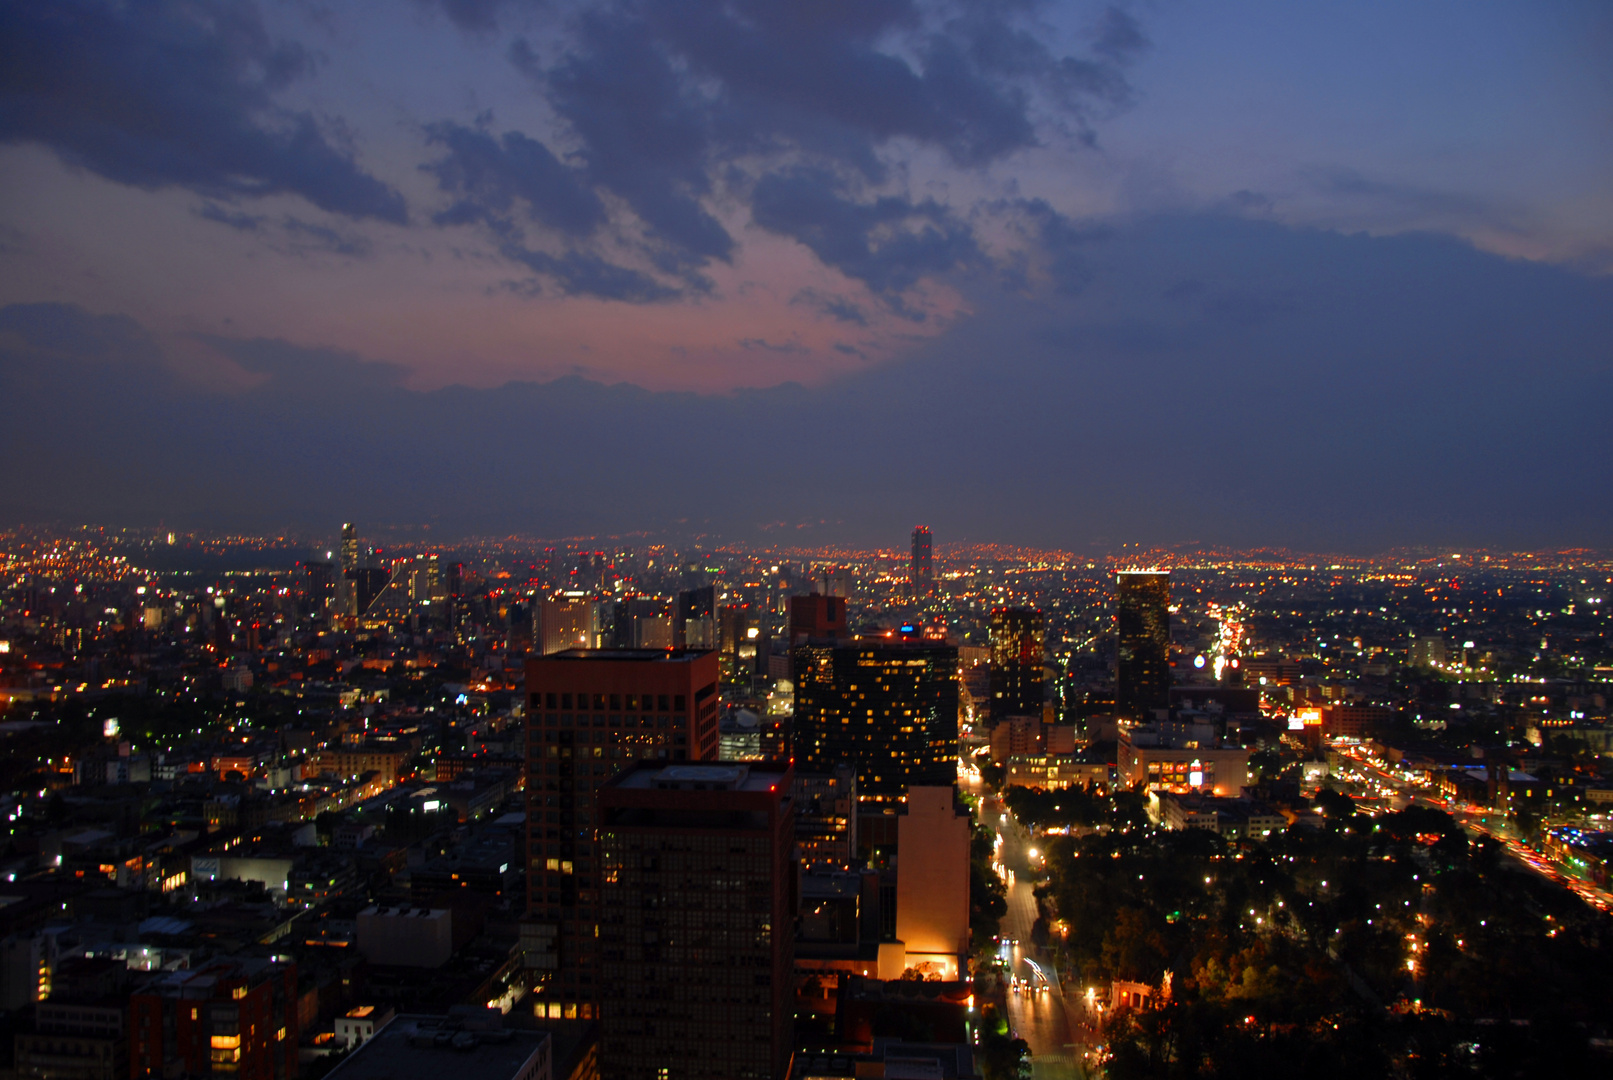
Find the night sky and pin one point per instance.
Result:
(1334, 275)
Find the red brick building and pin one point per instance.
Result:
(235, 1016)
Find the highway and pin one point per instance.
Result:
(1479, 821)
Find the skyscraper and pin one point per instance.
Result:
(890, 707)
(1017, 652)
(321, 586)
(349, 549)
(346, 591)
(1143, 632)
(696, 927)
(743, 643)
(366, 583)
(695, 623)
(591, 713)
(923, 571)
(817, 617)
(564, 622)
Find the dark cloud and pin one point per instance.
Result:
(235, 219)
(1244, 201)
(164, 93)
(488, 176)
(288, 233)
(296, 372)
(68, 335)
(474, 15)
(833, 305)
(1354, 195)
(674, 106)
(645, 135)
(788, 348)
(888, 243)
(1060, 241)
(307, 236)
(805, 74)
(1118, 36)
(579, 273)
(1410, 390)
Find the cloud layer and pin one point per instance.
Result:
(693, 117)
(163, 93)
(1056, 272)
(1210, 384)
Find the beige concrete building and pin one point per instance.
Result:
(1181, 758)
(932, 884)
(1054, 772)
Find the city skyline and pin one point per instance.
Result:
(634, 807)
(805, 539)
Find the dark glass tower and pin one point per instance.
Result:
(590, 714)
(1143, 665)
(321, 586)
(697, 922)
(1017, 650)
(923, 572)
(891, 708)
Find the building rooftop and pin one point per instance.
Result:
(702, 778)
(645, 655)
(415, 1047)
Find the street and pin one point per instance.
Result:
(1045, 1018)
(1479, 821)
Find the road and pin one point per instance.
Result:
(1046, 1019)
(1480, 821)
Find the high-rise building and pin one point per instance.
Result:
(836, 581)
(826, 817)
(591, 713)
(81, 1040)
(817, 618)
(642, 622)
(697, 927)
(891, 707)
(564, 622)
(1017, 655)
(1143, 633)
(742, 641)
(932, 883)
(321, 586)
(695, 624)
(349, 548)
(235, 1016)
(368, 583)
(346, 589)
(923, 571)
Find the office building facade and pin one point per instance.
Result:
(817, 617)
(591, 714)
(695, 625)
(227, 1016)
(565, 622)
(1143, 639)
(923, 568)
(888, 707)
(1018, 647)
(826, 818)
(697, 927)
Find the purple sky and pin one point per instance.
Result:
(957, 205)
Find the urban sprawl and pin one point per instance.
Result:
(382, 806)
